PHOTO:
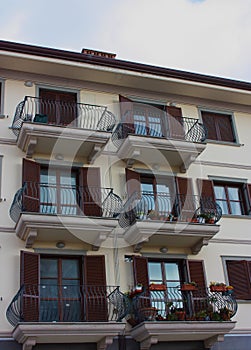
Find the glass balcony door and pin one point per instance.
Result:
(148, 120)
(58, 192)
(60, 293)
(158, 195)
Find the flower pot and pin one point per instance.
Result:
(157, 287)
(218, 288)
(148, 313)
(188, 287)
(181, 315)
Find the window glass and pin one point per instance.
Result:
(230, 198)
(155, 273)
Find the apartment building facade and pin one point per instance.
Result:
(125, 190)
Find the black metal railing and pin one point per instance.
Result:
(67, 303)
(66, 200)
(60, 113)
(169, 208)
(173, 304)
(166, 126)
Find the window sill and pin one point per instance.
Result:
(225, 143)
(228, 216)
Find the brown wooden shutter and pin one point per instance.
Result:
(132, 182)
(175, 123)
(95, 288)
(126, 114)
(207, 196)
(140, 271)
(196, 273)
(247, 198)
(225, 127)
(59, 106)
(185, 199)
(29, 279)
(209, 122)
(239, 278)
(31, 183)
(90, 191)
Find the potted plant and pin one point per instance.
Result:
(201, 315)
(217, 287)
(229, 290)
(180, 313)
(153, 215)
(225, 314)
(189, 286)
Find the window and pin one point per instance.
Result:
(61, 190)
(233, 198)
(219, 126)
(164, 194)
(58, 191)
(60, 288)
(63, 288)
(239, 272)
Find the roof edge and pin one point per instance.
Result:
(122, 64)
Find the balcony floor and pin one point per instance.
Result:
(172, 234)
(102, 333)
(149, 333)
(51, 139)
(32, 227)
(176, 153)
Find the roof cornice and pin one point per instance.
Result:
(122, 64)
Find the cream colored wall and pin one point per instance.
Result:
(113, 175)
(10, 246)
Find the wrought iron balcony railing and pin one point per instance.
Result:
(67, 303)
(167, 127)
(173, 304)
(169, 208)
(46, 198)
(60, 113)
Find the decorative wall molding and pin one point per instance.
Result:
(10, 142)
(230, 241)
(223, 165)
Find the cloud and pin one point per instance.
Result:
(207, 36)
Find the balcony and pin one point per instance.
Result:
(174, 141)
(175, 221)
(50, 212)
(205, 316)
(48, 313)
(44, 126)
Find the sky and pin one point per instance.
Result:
(203, 36)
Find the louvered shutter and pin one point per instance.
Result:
(126, 114)
(209, 123)
(140, 271)
(185, 198)
(207, 196)
(175, 123)
(247, 198)
(95, 288)
(225, 127)
(29, 280)
(31, 183)
(59, 106)
(196, 273)
(132, 182)
(239, 277)
(90, 191)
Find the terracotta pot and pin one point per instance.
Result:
(218, 288)
(157, 287)
(188, 287)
